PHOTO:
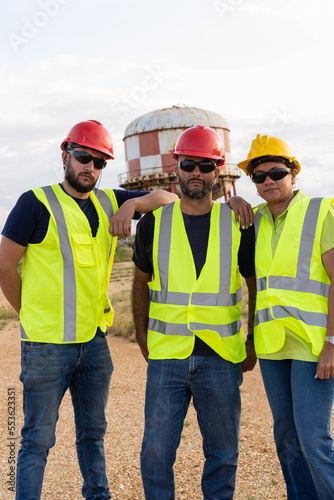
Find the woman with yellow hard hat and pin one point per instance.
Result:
(294, 319)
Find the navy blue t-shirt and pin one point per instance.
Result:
(28, 221)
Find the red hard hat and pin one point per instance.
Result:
(93, 135)
(200, 141)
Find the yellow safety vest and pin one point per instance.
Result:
(182, 305)
(292, 286)
(65, 277)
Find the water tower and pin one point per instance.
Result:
(149, 142)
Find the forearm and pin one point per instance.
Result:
(10, 282)
(152, 201)
(120, 223)
(250, 361)
(325, 367)
(140, 310)
(251, 285)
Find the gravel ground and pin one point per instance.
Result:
(259, 475)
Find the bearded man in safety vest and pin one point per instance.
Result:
(63, 232)
(188, 321)
(294, 320)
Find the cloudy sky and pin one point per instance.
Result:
(265, 66)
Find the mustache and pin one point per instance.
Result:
(86, 174)
(195, 179)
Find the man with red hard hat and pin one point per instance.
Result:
(187, 312)
(62, 232)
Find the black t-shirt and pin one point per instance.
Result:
(28, 221)
(197, 227)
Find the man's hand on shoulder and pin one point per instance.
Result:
(242, 209)
(120, 222)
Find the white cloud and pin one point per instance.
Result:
(263, 66)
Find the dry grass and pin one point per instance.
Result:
(120, 297)
(8, 313)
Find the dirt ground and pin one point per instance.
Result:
(259, 475)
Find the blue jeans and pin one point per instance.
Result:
(214, 385)
(301, 408)
(48, 370)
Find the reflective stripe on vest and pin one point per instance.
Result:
(298, 283)
(106, 204)
(69, 280)
(181, 329)
(222, 298)
(280, 312)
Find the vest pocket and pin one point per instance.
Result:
(82, 250)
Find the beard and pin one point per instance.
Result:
(75, 181)
(196, 193)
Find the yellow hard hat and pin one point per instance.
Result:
(266, 146)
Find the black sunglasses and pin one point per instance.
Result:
(276, 174)
(205, 166)
(85, 158)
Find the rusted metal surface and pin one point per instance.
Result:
(178, 116)
(149, 141)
